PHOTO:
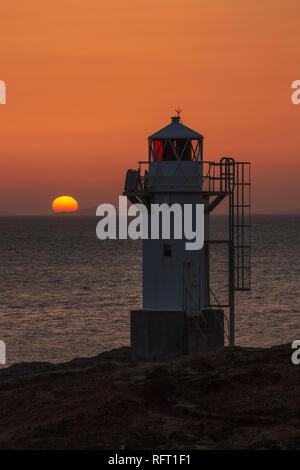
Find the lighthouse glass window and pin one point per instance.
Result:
(168, 150)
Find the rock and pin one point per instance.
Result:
(227, 399)
(206, 441)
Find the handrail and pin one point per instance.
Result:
(218, 303)
(215, 177)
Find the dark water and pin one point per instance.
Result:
(65, 294)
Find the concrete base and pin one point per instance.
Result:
(206, 332)
(163, 334)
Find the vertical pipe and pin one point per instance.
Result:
(237, 227)
(207, 260)
(243, 228)
(231, 256)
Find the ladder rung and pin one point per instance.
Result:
(219, 305)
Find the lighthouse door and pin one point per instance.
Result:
(191, 289)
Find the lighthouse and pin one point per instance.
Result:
(180, 312)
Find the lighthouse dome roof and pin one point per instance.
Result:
(176, 130)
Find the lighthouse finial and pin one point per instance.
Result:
(178, 111)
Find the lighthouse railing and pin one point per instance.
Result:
(220, 307)
(211, 177)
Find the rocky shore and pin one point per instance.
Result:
(234, 398)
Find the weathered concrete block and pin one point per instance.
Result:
(163, 334)
(158, 334)
(206, 332)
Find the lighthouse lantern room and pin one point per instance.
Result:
(181, 313)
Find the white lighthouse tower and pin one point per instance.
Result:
(178, 314)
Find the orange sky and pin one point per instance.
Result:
(87, 82)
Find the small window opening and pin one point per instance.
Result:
(167, 250)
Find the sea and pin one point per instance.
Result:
(67, 294)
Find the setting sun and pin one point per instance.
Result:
(64, 204)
